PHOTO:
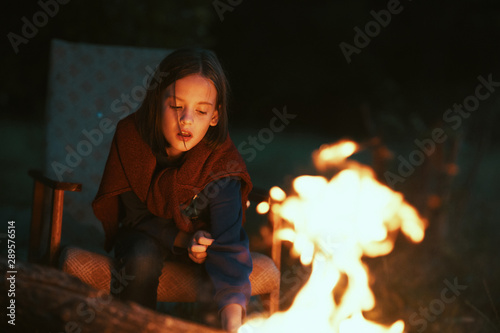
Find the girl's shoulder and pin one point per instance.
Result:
(127, 123)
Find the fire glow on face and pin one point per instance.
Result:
(334, 223)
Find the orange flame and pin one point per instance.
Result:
(336, 223)
(334, 155)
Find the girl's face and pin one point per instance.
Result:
(187, 117)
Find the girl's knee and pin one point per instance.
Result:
(143, 256)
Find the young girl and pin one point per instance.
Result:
(175, 186)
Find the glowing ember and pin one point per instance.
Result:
(336, 223)
(277, 194)
(262, 207)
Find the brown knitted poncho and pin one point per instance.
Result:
(131, 165)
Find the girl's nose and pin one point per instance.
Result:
(186, 117)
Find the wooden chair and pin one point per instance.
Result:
(81, 157)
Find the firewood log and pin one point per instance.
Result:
(49, 300)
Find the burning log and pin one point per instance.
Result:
(49, 300)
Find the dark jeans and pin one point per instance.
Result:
(141, 257)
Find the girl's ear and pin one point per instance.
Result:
(215, 118)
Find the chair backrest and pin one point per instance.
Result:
(91, 87)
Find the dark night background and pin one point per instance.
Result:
(286, 53)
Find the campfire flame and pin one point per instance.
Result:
(333, 224)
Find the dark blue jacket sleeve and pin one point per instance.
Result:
(228, 263)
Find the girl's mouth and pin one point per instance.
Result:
(184, 135)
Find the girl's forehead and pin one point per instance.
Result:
(192, 87)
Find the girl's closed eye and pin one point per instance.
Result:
(179, 108)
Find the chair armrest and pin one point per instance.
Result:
(35, 252)
(258, 195)
(53, 184)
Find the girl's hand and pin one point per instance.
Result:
(197, 248)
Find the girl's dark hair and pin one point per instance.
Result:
(175, 66)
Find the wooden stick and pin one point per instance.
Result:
(276, 256)
(56, 226)
(491, 300)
